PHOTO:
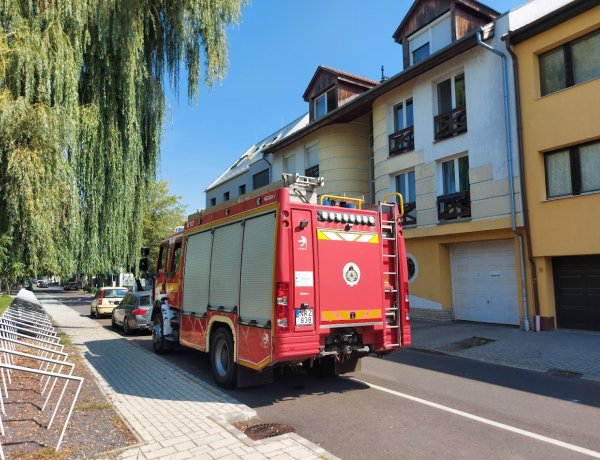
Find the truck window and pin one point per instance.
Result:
(162, 258)
(175, 258)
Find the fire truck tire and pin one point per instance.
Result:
(159, 342)
(223, 366)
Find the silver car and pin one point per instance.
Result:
(134, 312)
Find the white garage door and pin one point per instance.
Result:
(484, 282)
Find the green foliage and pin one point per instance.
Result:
(5, 301)
(81, 117)
(163, 214)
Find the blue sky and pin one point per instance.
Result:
(273, 54)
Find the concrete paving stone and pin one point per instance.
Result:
(231, 457)
(179, 456)
(227, 441)
(151, 447)
(174, 441)
(266, 448)
(207, 439)
(220, 453)
(160, 453)
(297, 453)
(253, 456)
(185, 446)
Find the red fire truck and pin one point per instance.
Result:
(283, 278)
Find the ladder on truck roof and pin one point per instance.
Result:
(389, 234)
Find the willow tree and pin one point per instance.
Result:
(81, 116)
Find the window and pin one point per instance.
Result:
(260, 179)
(213, 201)
(451, 94)
(455, 175)
(175, 258)
(574, 62)
(242, 189)
(405, 185)
(403, 118)
(289, 164)
(325, 103)
(226, 196)
(403, 137)
(412, 266)
(573, 171)
(452, 113)
(420, 53)
(162, 258)
(312, 161)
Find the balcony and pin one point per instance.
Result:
(454, 206)
(402, 141)
(450, 124)
(312, 171)
(410, 214)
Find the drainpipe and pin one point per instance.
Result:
(509, 160)
(270, 168)
(532, 264)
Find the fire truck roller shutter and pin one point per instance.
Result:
(225, 271)
(256, 291)
(197, 273)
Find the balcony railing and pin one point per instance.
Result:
(454, 206)
(450, 123)
(312, 171)
(402, 141)
(410, 214)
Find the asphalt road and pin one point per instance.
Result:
(417, 405)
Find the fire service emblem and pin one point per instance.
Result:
(351, 274)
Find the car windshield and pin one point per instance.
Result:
(145, 300)
(115, 292)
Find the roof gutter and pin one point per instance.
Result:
(509, 161)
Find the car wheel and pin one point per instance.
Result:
(112, 322)
(221, 358)
(158, 335)
(125, 325)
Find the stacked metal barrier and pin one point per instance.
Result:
(26, 332)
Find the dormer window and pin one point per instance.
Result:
(420, 53)
(325, 103)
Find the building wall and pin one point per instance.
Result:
(484, 142)
(343, 157)
(569, 225)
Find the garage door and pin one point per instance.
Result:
(577, 288)
(484, 282)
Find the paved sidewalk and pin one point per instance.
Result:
(561, 350)
(173, 414)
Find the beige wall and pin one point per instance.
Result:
(343, 157)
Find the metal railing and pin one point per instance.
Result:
(26, 332)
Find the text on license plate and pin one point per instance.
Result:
(304, 317)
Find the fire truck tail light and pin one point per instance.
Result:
(281, 307)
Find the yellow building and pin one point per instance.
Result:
(558, 60)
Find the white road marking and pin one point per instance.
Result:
(539, 437)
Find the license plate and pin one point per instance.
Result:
(304, 317)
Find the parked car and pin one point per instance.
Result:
(106, 299)
(42, 283)
(71, 286)
(134, 312)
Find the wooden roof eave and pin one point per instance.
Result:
(362, 103)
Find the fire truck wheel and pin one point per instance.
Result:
(221, 358)
(158, 337)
